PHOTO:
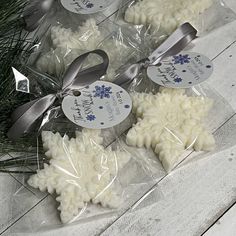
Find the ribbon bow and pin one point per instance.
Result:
(175, 43)
(25, 116)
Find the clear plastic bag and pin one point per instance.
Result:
(161, 18)
(92, 172)
(90, 168)
(81, 171)
(69, 17)
(65, 41)
(78, 159)
(174, 123)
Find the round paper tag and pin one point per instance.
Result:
(181, 71)
(100, 105)
(86, 6)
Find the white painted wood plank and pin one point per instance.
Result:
(216, 41)
(46, 211)
(224, 226)
(45, 215)
(197, 193)
(11, 194)
(225, 43)
(32, 215)
(225, 72)
(194, 196)
(231, 4)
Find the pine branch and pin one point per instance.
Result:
(15, 47)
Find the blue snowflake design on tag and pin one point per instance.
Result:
(181, 59)
(178, 80)
(102, 91)
(89, 5)
(91, 117)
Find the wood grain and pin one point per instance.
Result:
(224, 226)
(187, 201)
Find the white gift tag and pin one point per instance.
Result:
(86, 6)
(183, 70)
(100, 105)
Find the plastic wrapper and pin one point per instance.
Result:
(64, 41)
(73, 16)
(94, 173)
(81, 171)
(91, 173)
(161, 18)
(101, 173)
(175, 123)
(56, 58)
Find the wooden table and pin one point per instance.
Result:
(198, 198)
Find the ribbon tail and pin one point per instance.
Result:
(128, 75)
(19, 111)
(26, 118)
(175, 43)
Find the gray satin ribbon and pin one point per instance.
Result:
(34, 14)
(175, 43)
(26, 116)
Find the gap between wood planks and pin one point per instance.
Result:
(162, 178)
(158, 180)
(8, 227)
(234, 203)
(229, 208)
(123, 4)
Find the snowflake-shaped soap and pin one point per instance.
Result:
(68, 44)
(80, 170)
(89, 5)
(170, 122)
(165, 16)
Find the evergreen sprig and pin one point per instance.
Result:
(15, 47)
(22, 164)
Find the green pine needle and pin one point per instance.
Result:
(15, 47)
(22, 164)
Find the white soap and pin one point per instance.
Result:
(165, 16)
(71, 172)
(170, 122)
(67, 45)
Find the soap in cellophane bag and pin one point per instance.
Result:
(161, 18)
(93, 174)
(88, 172)
(65, 40)
(176, 123)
